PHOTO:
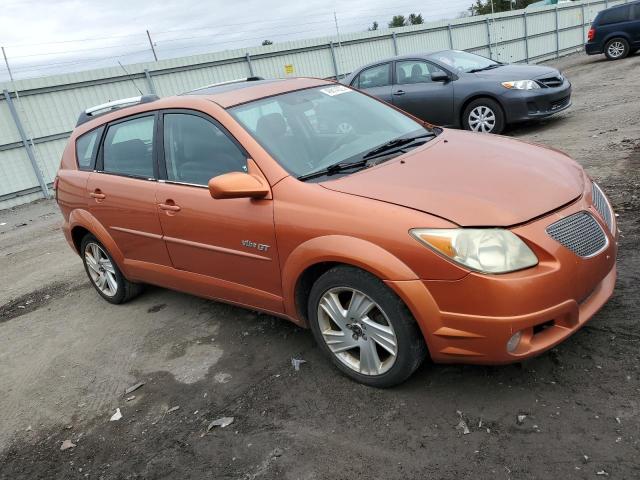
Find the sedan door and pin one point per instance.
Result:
(414, 92)
(228, 246)
(375, 81)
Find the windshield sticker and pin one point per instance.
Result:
(335, 90)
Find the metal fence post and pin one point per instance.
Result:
(25, 144)
(489, 38)
(335, 63)
(526, 37)
(450, 37)
(557, 34)
(584, 20)
(251, 72)
(150, 85)
(395, 42)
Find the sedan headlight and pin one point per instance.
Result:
(521, 85)
(487, 250)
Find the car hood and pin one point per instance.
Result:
(472, 179)
(508, 72)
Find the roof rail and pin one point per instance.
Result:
(98, 110)
(237, 80)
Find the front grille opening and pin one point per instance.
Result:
(541, 327)
(580, 233)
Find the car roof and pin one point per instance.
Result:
(401, 57)
(234, 93)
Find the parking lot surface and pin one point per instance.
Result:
(67, 357)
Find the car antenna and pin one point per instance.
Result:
(130, 78)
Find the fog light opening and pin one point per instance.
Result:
(514, 342)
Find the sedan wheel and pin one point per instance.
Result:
(482, 119)
(357, 331)
(100, 269)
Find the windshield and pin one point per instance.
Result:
(309, 130)
(464, 61)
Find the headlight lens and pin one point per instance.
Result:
(487, 250)
(521, 85)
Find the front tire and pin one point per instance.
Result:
(104, 274)
(483, 115)
(616, 49)
(364, 327)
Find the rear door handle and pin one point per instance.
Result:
(399, 92)
(169, 208)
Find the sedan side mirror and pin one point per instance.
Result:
(238, 185)
(440, 77)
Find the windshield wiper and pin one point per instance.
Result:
(335, 168)
(488, 67)
(393, 145)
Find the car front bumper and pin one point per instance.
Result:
(522, 105)
(471, 320)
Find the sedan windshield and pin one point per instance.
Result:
(317, 131)
(464, 61)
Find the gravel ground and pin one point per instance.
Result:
(66, 358)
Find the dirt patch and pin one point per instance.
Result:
(32, 301)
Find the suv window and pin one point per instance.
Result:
(378, 76)
(414, 71)
(615, 15)
(635, 12)
(196, 150)
(128, 148)
(86, 146)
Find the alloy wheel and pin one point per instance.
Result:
(482, 119)
(616, 49)
(357, 331)
(100, 269)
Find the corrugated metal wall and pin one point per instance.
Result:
(49, 106)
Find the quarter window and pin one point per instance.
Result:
(414, 71)
(86, 147)
(378, 76)
(616, 15)
(196, 150)
(128, 148)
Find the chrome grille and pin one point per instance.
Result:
(602, 206)
(580, 233)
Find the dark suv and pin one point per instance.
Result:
(615, 32)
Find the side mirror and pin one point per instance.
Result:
(238, 185)
(440, 76)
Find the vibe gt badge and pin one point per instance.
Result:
(258, 246)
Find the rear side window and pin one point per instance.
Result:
(128, 148)
(615, 15)
(635, 11)
(196, 150)
(86, 146)
(378, 76)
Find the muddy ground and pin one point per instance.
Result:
(66, 358)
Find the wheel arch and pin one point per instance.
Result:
(314, 257)
(614, 35)
(82, 222)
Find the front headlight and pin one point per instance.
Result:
(521, 85)
(487, 250)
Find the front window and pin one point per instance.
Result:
(309, 130)
(464, 62)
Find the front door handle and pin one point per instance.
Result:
(399, 92)
(98, 195)
(169, 207)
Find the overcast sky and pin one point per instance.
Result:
(44, 37)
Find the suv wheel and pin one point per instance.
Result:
(483, 115)
(616, 48)
(364, 327)
(104, 274)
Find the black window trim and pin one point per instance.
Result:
(162, 164)
(99, 164)
(94, 154)
(369, 67)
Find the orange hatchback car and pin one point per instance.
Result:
(390, 238)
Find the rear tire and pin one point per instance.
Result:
(104, 274)
(483, 115)
(616, 49)
(364, 327)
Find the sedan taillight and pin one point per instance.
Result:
(591, 34)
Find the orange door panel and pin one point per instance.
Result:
(232, 239)
(126, 207)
